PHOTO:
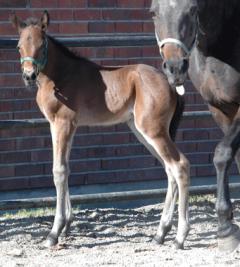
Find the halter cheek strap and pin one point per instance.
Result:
(40, 63)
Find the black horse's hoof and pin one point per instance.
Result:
(231, 241)
(158, 240)
(178, 245)
(51, 241)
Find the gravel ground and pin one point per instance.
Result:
(115, 237)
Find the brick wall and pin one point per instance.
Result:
(99, 155)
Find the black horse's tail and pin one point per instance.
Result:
(176, 116)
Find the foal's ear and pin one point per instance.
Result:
(45, 20)
(16, 22)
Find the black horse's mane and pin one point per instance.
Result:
(219, 23)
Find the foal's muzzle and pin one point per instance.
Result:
(29, 77)
(176, 70)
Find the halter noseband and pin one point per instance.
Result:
(40, 63)
(172, 41)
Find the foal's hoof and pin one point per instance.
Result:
(178, 245)
(230, 242)
(51, 241)
(158, 240)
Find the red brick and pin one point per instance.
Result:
(16, 156)
(73, 28)
(13, 3)
(125, 14)
(101, 27)
(126, 27)
(41, 155)
(130, 4)
(10, 80)
(116, 139)
(7, 171)
(43, 3)
(40, 182)
(206, 146)
(7, 29)
(104, 52)
(66, 3)
(61, 14)
(143, 162)
(112, 164)
(29, 143)
(195, 135)
(79, 3)
(100, 178)
(7, 54)
(27, 170)
(87, 14)
(147, 3)
(7, 145)
(206, 170)
(150, 51)
(127, 52)
(148, 27)
(102, 3)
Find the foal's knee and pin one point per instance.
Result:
(60, 173)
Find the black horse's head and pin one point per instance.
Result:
(176, 27)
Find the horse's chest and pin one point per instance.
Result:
(219, 82)
(47, 103)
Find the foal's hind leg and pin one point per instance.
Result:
(166, 220)
(62, 133)
(169, 205)
(177, 167)
(171, 197)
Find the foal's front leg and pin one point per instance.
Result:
(62, 133)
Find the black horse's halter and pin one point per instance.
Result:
(172, 41)
(177, 42)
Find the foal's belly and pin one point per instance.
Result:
(104, 118)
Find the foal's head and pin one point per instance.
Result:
(32, 45)
(176, 26)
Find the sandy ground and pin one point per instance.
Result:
(115, 237)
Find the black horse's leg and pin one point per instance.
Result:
(228, 233)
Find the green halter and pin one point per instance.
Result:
(40, 63)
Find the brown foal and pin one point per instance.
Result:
(73, 91)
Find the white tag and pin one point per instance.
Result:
(180, 90)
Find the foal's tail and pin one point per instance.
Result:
(176, 116)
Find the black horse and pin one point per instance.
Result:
(202, 38)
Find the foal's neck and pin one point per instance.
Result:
(55, 68)
(63, 64)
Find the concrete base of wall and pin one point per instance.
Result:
(118, 187)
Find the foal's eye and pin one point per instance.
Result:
(18, 47)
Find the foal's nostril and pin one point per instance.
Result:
(164, 65)
(33, 76)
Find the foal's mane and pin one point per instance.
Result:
(69, 53)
